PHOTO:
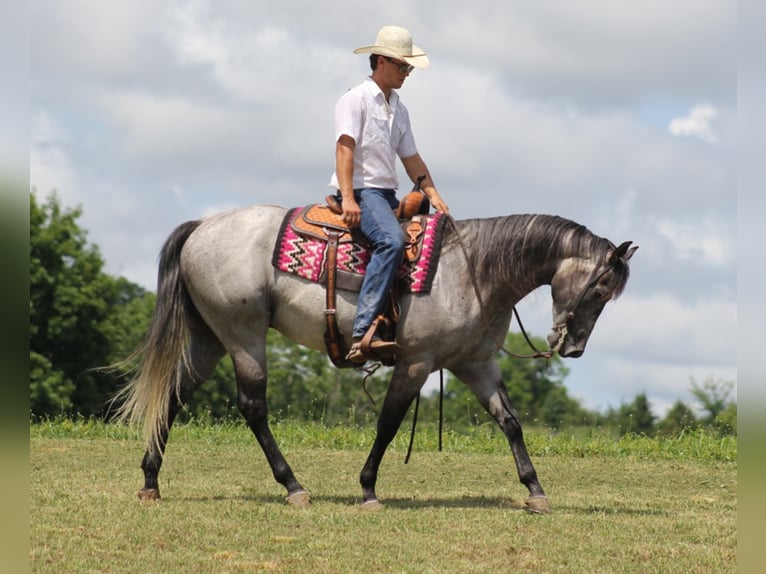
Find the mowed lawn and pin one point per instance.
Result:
(619, 505)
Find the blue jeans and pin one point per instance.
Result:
(380, 226)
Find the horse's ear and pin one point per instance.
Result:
(624, 252)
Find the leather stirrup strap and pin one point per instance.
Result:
(366, 342)
(333, 337)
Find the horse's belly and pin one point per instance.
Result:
(298, 310)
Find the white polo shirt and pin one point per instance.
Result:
(381, 131)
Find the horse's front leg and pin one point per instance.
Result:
(404, 387)
(251, 399)
(485, 380)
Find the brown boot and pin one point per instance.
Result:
(379, 349)
(355, 354)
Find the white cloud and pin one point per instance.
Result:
(697, 123)
(665, 327)
(702, 240)
(50, 166)
(168, 112)
(156, 128)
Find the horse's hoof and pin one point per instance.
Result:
(149, 494)
(300, 499)
(372, 504)
(538, 504)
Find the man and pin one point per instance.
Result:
(372, 128)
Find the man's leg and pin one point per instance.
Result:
(382, 229)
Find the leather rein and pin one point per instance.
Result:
(560, 328)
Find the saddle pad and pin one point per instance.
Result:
(306, 257)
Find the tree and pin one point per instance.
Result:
(635, 417)
(75, 312)
(713, 397)
(726, 421)
(679, 418)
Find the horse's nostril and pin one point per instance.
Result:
(574, 354)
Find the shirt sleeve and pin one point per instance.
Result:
(349, 116)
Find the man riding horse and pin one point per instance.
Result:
(372, 127)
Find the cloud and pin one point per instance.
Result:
(164, 113)
(50, 165)
(666, 328)
(696, 124)
(591, 53)
(702, 241)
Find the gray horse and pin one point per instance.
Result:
(218, 293)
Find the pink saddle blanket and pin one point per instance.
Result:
(306, 256)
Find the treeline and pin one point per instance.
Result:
(82, 319)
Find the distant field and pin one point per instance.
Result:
(619, 505)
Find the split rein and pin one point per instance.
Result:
(561, 329)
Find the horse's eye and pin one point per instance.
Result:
(599, 294)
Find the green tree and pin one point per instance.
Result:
(75, 312)
(726, 421)
(679, 418)
(635, 417)
(713, 397)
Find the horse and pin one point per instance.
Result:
(218, 293)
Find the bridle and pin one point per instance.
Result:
(562, 328)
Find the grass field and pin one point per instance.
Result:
(619, 505)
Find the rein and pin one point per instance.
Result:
(561, 328)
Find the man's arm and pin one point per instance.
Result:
(415, 167)
(344, 170)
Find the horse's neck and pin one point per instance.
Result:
(518, 253)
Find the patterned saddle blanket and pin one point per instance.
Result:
(301, 248)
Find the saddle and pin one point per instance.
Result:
(325, 223)
(322, 222)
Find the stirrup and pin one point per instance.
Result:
(356, 355)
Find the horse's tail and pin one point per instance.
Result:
(160, 358)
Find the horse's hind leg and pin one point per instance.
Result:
(485, 380)
(205, 351)
(405, 385)
(249, 366)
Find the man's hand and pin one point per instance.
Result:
(437, 201)
(352, 214)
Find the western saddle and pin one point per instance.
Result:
(325, 223)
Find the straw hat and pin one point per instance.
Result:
(396, 42)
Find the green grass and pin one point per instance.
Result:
(633, 504)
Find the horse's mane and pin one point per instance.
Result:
(504, 249)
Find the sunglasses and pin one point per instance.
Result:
(403, 67)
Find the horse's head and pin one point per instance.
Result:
(580, 288)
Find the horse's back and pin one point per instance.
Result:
(228, 257)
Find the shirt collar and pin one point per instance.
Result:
(377, 93)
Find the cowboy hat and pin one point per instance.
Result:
(396, 42)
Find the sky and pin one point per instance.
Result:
(620, 116)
